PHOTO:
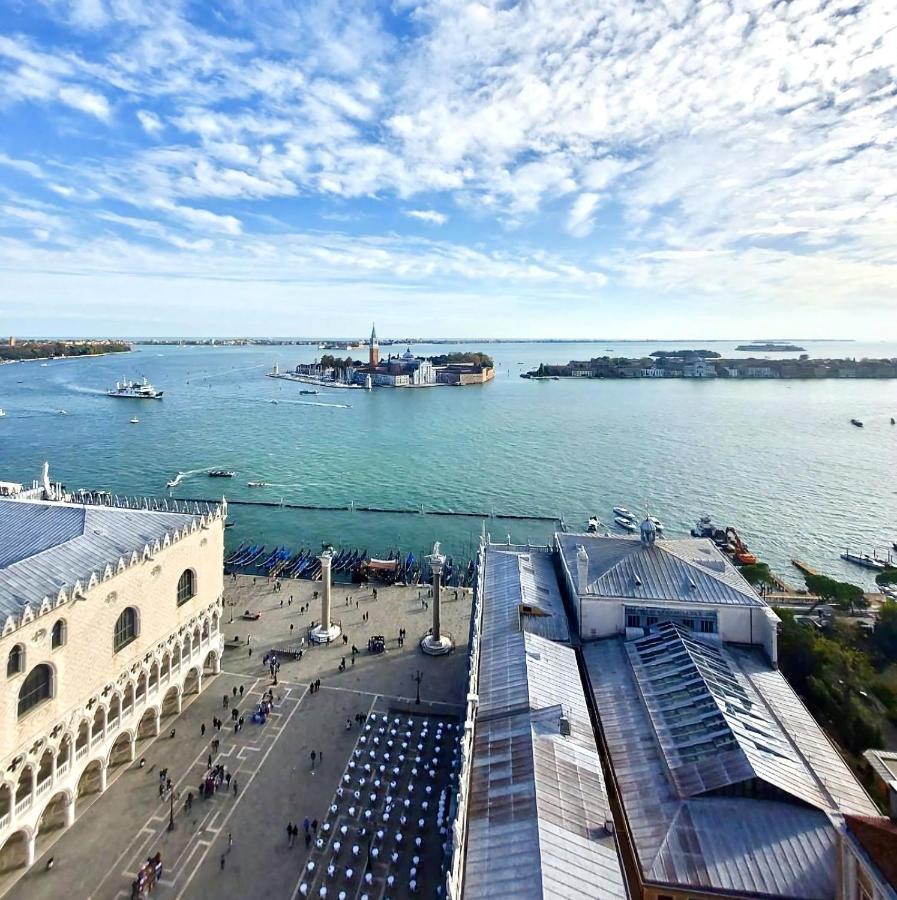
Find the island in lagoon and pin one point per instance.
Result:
(15, 350)
(770, 347)
(692, 364)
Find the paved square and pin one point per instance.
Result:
(99, 855)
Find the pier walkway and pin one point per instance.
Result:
(353, 507)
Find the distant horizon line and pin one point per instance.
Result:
(141, 339)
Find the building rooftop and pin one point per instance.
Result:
(878, 838)
(690, 570)
(884, 764)
(49, 548)
(731, 786)
(538, 804)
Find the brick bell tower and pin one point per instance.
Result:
(374, 356)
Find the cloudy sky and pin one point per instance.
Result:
(546, 168)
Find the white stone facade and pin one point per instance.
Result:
(104, 703)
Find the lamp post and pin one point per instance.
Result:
(418, 676)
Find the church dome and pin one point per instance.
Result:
(408, 355)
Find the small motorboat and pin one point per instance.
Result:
(256, 484)
(856, 422)
(622, 512)
(625, 524)
(2, 414)
(135, 421)
(657, 523)
(220, 473)
(594, 524)
(309, 393)
(893, 421)
(61, 412)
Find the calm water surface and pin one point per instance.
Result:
(779, 460)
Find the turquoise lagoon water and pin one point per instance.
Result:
(779, 460)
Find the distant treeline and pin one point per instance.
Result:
(682, 354)
(329, 361)
(477, 359)
(49, 349)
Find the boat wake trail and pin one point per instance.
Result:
(83, 390)
(225, 373)
(314, 403)
(181, 476)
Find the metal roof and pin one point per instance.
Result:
(46, 547)
(690, 570)
(538, 804)
(884, 763)
(713, 729)
(741, 844)
(525, 584)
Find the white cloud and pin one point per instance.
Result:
(202, 219)
(580, 220)
(149, 121)
(87, 101)
(428, 215)
(749, 134)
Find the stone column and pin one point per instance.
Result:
(326, 631)
(436, 643)
(102, 778)
(70, 812)
(29, 851)
(436, 564)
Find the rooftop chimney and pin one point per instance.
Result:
(582, 569)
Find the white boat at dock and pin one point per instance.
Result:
(865, 560)
(623, 513)
(135, 421)
(624, 523)
(594, 524)
(176, 480)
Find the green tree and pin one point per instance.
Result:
(758, 573)
(884, 638)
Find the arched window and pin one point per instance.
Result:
(186, 586)
(57, 638)
(125, 629)
(36, 688)
(15, 662)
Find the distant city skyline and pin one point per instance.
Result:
(475, 170)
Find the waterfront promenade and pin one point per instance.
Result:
(99, 855)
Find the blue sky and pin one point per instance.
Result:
(532, 169)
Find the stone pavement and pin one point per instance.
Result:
(99, 855)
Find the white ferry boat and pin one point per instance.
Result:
(135, 390)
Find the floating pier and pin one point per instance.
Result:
(391, 510)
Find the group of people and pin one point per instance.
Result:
(148, 876)
(215, 778)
